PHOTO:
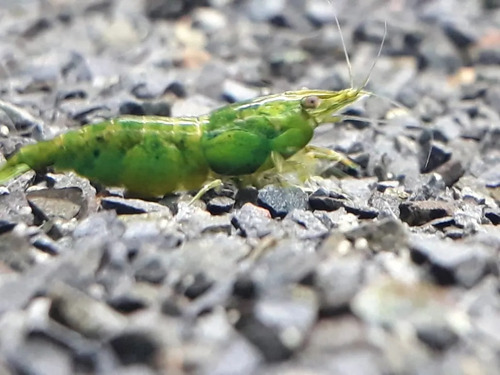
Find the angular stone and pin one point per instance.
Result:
(220, 205)
(338, 281)
(437, 337)
(135, 347)
(384, 235)
(492, 215)
(124, 206)
(420, 212)
(280, 201)
(253, 221)
(277, 327)
(322, 200)
(57, 203)
(451, 262)
(78, 311)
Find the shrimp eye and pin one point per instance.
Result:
(311, 102)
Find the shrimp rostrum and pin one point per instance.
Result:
(151, 156)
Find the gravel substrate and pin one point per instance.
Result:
(392, 271)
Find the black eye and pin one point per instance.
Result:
(311, 102)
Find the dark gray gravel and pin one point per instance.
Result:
(394, 270)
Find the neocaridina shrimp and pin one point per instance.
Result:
(151, 156)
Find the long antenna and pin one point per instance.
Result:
(379, 53)
(392, 101)
(348, 61)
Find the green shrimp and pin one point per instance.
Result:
(152, 156)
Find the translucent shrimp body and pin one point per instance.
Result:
(152, 156)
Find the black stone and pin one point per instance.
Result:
(492, 215)
(245, 288)
(127, 304)
(450, 262)
(199, 286)
(451, 171)
(71, 94)
(6, 226)
(47, 245)
(433, 156)
(34, 30)
(88, 114)
(280, 201)
(325, 203)
(150, 270)
(264, 338)
(156, 9)
(437, 338)
(157, 108)
(132, 108)
(134, 347)
(170, 308)
(124, 206)
(421, 212)
(177, 88)
(372, 31)
(220, 205)
(143, 91)
(148, 108)
(462, 35)
(360, 211)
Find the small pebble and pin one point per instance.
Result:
(220, 205)
(280, 201)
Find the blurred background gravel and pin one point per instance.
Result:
(395, 271)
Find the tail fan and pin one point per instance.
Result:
(9, 171)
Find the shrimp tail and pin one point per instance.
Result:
(9, 171)
(31, 157)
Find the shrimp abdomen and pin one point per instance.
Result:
(149, 156)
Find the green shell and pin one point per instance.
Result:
(152, 156)
(238, 139)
